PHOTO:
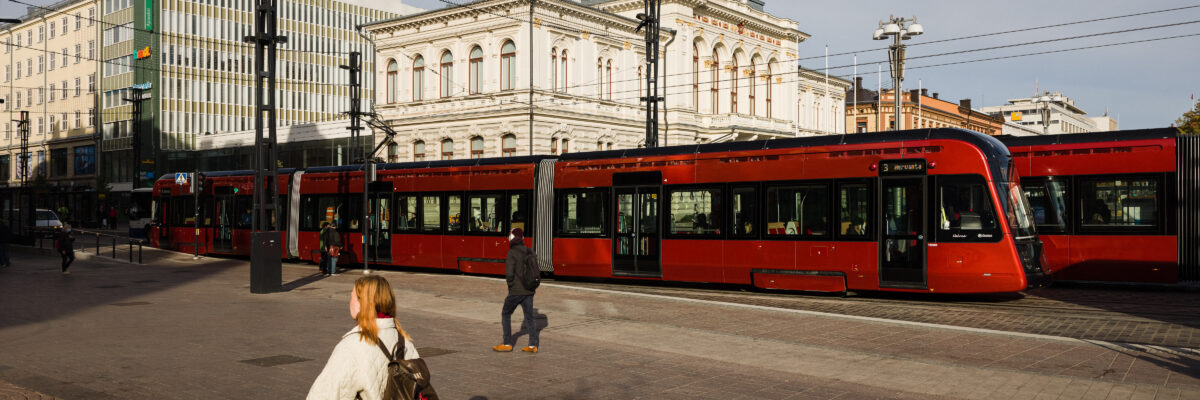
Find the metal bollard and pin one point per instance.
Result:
(97, 243)
(114, 247)
(131, 251)
(139, 252)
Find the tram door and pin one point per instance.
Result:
(224, 214)
(379, 230)
(636, 246)
(902, 246)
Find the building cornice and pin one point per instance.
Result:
(500, 9)
(720, 9)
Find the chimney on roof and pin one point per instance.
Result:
(965, 103)
(857, 83)
(935, 95)
(925, 92)
(914, 95)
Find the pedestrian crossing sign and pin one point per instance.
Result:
(181, 178)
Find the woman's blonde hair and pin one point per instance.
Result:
(375, 297)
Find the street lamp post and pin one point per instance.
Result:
(895, 27)
(1044, 111)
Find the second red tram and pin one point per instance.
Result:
(925, 211)
(1114, 206)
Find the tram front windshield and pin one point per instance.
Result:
(1020, 218)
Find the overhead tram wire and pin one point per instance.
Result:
(179, 36)
(955, 39)
(953, 52)
(688, 85)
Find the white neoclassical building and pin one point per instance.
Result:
(459, 82)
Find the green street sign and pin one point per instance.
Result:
(150, 15)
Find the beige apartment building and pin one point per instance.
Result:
(50, 73)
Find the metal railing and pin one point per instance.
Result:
(101, 244)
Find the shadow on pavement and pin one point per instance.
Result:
(299, 283)
(34, 289)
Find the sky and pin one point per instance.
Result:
(1145, 85)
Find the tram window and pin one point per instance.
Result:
(454, 215)
(406, 213)
(320, 208)
(181, 211)
(965, 211)
(583, 212)
(485, 215)
(1048, 201)
(431, 214)
(1119, 203)
(854, 208)
(245, 212)
(798, 210)
(695, 212)
(743, 204)
(519, 212)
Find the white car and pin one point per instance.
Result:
(46, 221)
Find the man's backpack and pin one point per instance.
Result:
(406, 379)
(532, 278)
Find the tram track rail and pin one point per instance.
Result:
(1113, 316)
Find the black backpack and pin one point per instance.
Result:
(532, 278)
(406, 379)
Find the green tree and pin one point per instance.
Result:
(1189, 123)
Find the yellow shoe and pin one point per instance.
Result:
(531, 349)
(502, 347)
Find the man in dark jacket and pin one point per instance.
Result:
(333, 247)
(66, 247)
(516, 272)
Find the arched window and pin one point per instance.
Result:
(554, 69)
(508, 59)
(607, 95)
(447, 149)
(392, 68)
(733, 82)
(553, 145)
(566, 146)
(599, 79)
(393, 152)
(419, 151)
(418, 78)
(562, 61)
(477, 147)
(770, 83)
(696, 76)
(750, 81)
(446, 72)
(476, 67)
(508, 145)
(716, 82)
(599, 145)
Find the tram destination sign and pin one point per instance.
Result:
(902, 167)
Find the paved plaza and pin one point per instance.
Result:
(190, 329)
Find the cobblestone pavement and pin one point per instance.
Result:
(1124, 316)
(178, 328)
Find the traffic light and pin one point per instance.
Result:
(199, 183)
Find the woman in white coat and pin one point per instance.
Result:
(357, 367)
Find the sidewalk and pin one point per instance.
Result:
(178, 328)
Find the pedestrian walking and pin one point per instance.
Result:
(333, 246)
(103, 216)
(66, 247)
(523, 276)
(112, 218)
(357, 367)
(4, 236)
(321, 246)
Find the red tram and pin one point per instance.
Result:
(924, 211)
(1114, 206)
